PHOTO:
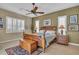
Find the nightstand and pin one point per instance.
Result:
(62, 39)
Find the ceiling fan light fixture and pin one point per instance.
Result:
(33, 3)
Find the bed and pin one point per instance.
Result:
(49, 37)
(49, 32)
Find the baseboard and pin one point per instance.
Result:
(73, 44)
(10, 40)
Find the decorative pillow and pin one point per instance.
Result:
(50, 33)
(41, 32)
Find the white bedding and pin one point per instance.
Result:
(49, 36)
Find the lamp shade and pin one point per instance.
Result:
(61, 27)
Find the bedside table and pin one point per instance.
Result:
(62, 39)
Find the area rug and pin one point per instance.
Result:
(17, 50)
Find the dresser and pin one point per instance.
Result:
(62, 39)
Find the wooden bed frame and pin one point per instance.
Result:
(27, 38)
(48, 28)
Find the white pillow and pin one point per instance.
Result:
(41, 31)
(50, 33)
(53, 32)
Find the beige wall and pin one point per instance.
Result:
(73, 36)
(12, 36)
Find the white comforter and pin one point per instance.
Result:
(49, 36)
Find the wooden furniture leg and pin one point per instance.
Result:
(43, 44)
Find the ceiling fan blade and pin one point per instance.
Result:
(35, 14)
(24, 9)
(28, 13)
(27, 10)
(40, 12)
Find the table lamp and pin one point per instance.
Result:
(61, 27)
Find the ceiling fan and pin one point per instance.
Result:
(34, 10)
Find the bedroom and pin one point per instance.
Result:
(11, 34)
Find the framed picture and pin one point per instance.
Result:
(73, 19)
(1, 23)
(47, 22)
(73, 27)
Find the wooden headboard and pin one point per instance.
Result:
(48, 28)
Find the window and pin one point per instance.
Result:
(62, 20)
(14, 25)
(37, 26)
(19, 25)
(9, 24)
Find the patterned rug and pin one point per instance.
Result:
(20, 51)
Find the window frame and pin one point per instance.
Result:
(15, 26)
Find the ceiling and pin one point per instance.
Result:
(46, 7)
